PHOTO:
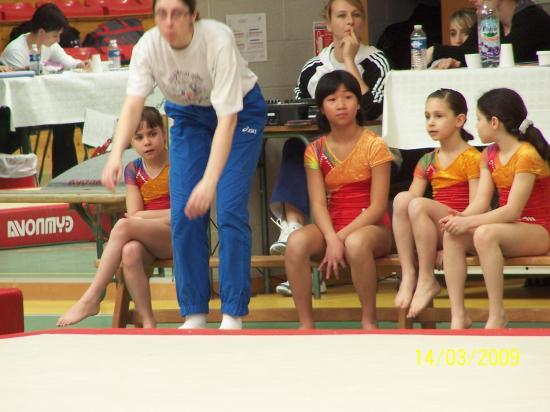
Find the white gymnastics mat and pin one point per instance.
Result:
(275, 370)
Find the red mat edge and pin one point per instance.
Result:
(287, 332)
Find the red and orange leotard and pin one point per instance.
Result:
(155, 191)
(348, 181)
(450, 185)
(526, 159)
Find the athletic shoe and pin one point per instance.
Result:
(283, 288)
(279, 247)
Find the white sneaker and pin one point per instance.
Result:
(279, 247)
(284, 288)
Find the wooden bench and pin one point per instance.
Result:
(123, 315)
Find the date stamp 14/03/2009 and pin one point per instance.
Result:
(463, 357)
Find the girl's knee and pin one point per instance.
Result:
(132, 254)
(417, 207)
(297, 245)
(401, 202)
(484, 236)
(120, 226)
(359, 245)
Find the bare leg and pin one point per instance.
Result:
(151, 233)
(134, 260)
(454, 264)
(293, 214)
(302, 245)
(362, 247)
(492, 243)
(404, 241)
(424, 215)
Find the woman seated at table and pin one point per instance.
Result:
(346, 20)
(46, 26)
(522, 23)
(461, 23)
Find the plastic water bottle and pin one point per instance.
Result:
(114, 55)
(489, 34)
(419, 43)
(34, 58)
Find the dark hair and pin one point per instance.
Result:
(457, 104)
(48, 17)
(192, 4)
(152, 117)
(508, 107)
(328, 84)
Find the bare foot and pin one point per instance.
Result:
(79, 311)
(423, 295)
(369, 325)
(497, 322)
(461, 322)
(149, 325)
(405, 292)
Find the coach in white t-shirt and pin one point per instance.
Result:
(219, 115)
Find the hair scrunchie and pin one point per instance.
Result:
(525, 124)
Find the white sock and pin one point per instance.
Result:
(294, 226)
(195, 321)
(231, 322)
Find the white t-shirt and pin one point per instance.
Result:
(16, 54)
(210, 71)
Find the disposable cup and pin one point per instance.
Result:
(96, 63)
(506, 56)
(544, 57)
(473, 61)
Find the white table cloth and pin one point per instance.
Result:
(403, 124)
(64, 98)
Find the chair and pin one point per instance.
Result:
(128, 8)
(98, 3)
(99, 129)
(73, 8)
(81, 53)
(49, 134)
(18, 171)
(20, 11)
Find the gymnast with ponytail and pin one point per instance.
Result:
(515, 164)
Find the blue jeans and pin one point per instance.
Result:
(190, 144)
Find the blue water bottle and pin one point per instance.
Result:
(488, 34)
(419, 43)
(114, 55)
(34, 59)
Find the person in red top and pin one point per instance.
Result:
(348, 177)
(452, 170)
(516, 164)
(144, 234)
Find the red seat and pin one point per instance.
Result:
(128, 8)
(73, 8)
(101, 3)
(81, 53)
(20, 11)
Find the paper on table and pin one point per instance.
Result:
(98, 127)
(18, 73)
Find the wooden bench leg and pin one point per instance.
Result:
(316, 282)
(403, 322)
(122, 303)
(429, 324)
